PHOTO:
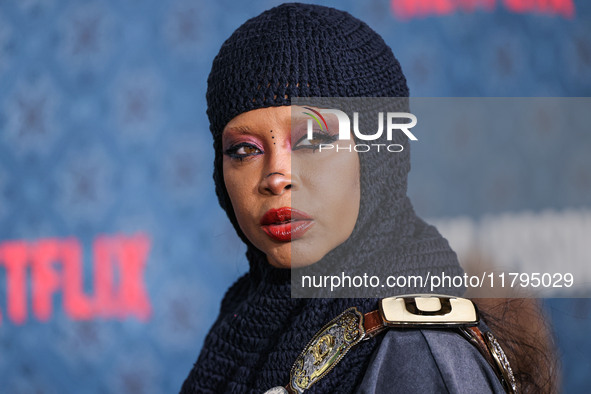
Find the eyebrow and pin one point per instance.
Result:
(238, 129)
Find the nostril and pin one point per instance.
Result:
(288, 187)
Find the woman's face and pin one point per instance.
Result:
(293, 201)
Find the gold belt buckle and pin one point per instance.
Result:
(326, 349)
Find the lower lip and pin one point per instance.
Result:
(287, 232)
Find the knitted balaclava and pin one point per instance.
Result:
(295, 50)
(301, 50)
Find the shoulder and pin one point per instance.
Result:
(428, 360)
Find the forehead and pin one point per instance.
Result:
(261, 118)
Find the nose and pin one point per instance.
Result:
(277, 177)
(276, 183)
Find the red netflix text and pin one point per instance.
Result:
(408, 9)
(56, 265)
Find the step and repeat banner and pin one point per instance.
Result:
(114, 253)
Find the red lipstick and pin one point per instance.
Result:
(285, 224)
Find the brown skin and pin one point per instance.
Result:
(277, 169)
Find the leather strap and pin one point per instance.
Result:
(475, 337)
(373, 324)
(500, 365)
(289, 389)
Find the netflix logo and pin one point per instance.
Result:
(408, 9)
(53, 266)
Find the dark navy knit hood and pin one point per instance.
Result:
(301, 50)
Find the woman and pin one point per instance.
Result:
(352, 211)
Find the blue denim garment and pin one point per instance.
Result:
(428, 361)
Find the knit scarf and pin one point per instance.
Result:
(261, 330)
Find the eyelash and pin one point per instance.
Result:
(323, 137)
(232, 151)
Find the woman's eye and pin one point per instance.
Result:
(246, 150)
(242, 150)
(314, 143)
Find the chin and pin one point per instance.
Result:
(282, 258)
(279, 256)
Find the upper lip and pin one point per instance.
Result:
(283, 215)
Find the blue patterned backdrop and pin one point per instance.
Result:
(114, 254)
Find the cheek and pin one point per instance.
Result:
(238, 183)
(336, 183)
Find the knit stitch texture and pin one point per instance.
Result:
(300, 50)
